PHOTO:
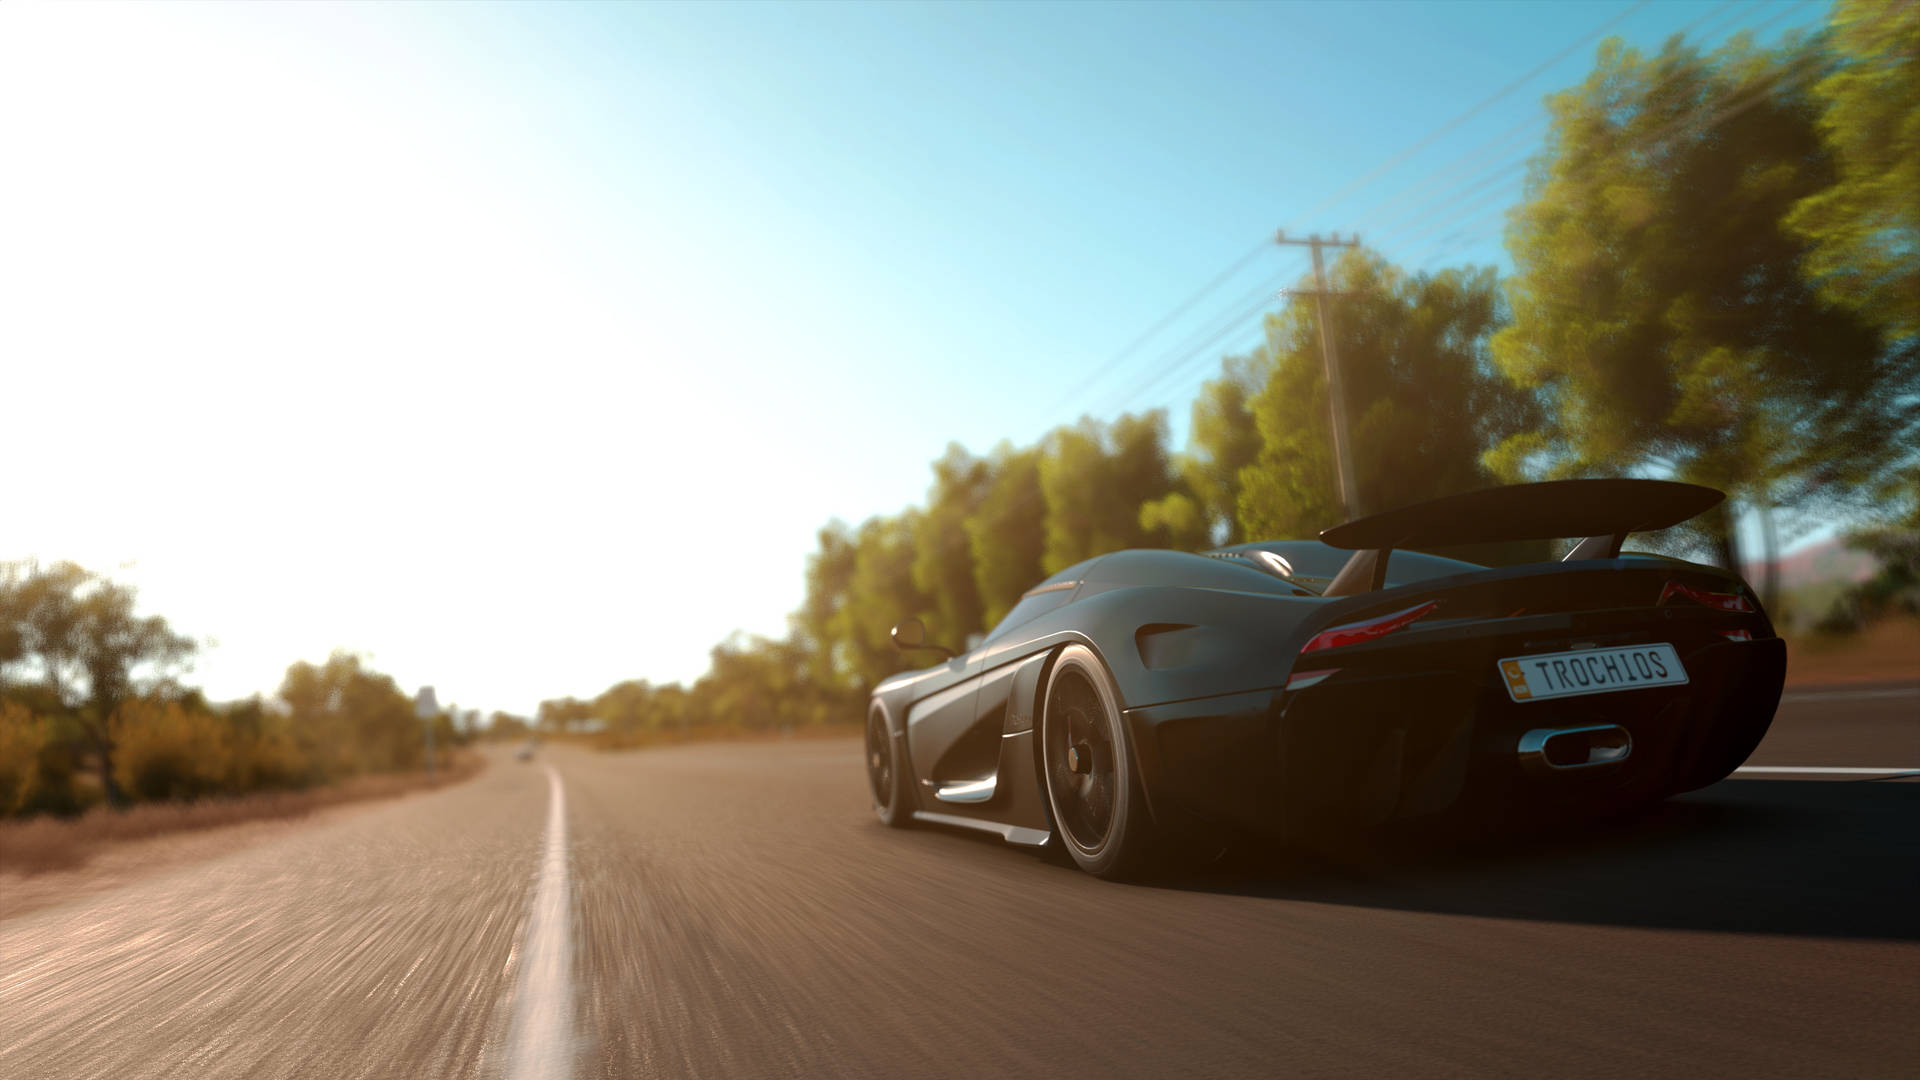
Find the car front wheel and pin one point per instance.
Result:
(886, 779)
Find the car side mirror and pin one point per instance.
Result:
(910, 635)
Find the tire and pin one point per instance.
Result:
(886, 773)
(1093, 789)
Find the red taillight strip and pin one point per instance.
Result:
(1717, 600)
(1358, 632)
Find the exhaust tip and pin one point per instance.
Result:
(1551, 750)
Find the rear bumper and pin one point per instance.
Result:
(1363, 748)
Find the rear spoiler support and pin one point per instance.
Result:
(1602, 511)
(1605, 546)
(1366, 571)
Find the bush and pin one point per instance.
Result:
(267, 760)
(167, 751)
(22, 736)
(36, 767)
(1893, 590)
(1843, 617)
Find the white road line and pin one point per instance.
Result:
(540, 1042)
(1835, 770)
(1851, 695)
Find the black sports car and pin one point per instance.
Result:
(1285, 686)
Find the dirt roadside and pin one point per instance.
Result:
(97, 860)
(1885, 651)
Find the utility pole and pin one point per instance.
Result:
(1336, 393)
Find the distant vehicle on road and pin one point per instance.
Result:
(525, 753)
(1288, 686)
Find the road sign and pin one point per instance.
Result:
(425, 706)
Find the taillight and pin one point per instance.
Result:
(1359, 632)
(1719, 601)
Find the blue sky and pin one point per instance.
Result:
(525, 347)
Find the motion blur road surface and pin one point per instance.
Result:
(735, 911)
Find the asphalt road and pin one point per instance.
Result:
(734, 911)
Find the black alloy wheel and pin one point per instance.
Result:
(1080, 761)
(1098, 812)
(884, 776)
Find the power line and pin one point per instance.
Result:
(1490, 185)
(1203, 351)
(1183, 358)
(1385, 167)
(1398, 159)
(1462, 237)
(1730, 103)
(1370, 220)
(1429, 216)
(1654, 140)
(1466, 162)
(1370, 217)
(1197, 350)
(1105, 368)
(1266, 295)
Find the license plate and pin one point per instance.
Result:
(1591, 671)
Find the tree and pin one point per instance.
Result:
(1096, 478)
(1224, 440)
(859, 583)
(563, 716)
(942, 561)
(1422, 395)
(625, 706)
(1660, 310)
(757, 682)
(37, 762)
(505, 725)
(880, 592)
(77, 634)
(1865, 226)
(1894, 542)
(351, 720)
(1007, 533)
(818, 625)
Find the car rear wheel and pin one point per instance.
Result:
(886, 778)
(1093, 789)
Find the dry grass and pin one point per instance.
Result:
(1887, 649)
(42, 844)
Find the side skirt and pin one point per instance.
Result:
(1012, 834)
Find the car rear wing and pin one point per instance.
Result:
(1601, 511)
